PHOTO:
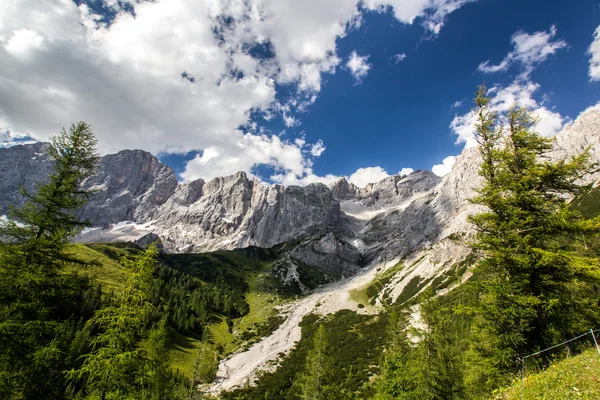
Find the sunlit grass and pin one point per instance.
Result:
(573, 378)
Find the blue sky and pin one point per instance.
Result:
(269, 86)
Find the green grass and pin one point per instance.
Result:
(224, 340)
(573, 378)
(183, 351)
(108, 272)
(367, 294)
(262, 319)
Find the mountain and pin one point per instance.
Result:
(339, 228)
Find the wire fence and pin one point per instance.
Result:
(569, 347)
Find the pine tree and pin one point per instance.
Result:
(314, 382)
(529, 269)
(38, 300)
(399, 376)
(116, 366)
(438, 355)
(157, 380)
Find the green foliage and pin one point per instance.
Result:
(431, 369)
(116, 365)
(39, 303)
(572, 378)
(530, 273)
(355, 343)
(399, 377)
(314, 383)
(439, 353)
(588, 203)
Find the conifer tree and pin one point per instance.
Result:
(157, 380)
(399, 378)
(438, 355)
(38, 300)
(116, 366)
(528, 271)
(314, 382)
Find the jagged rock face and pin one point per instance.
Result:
(234, 212)
(131, 185)
(25, 165)
(335, 256)
(583, 133)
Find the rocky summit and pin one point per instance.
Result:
(340, 228)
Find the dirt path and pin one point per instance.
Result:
(242, 367)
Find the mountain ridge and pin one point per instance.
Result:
(338, 224)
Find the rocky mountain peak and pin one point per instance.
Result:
(342, 189)
(395, 217)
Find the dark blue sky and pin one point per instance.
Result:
(399, 116)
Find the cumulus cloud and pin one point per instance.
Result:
(594, 53)
(432, 13)
(180, 75)
(445, 167)
(406, 171)
(529, 51)
(254, 149)
(363, 176)
(398, 58)
(295, 180)
(520, 93)
(358, 66)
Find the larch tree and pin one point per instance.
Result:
(315, 381)
(117, 366)
(39, 301)
(529, 270)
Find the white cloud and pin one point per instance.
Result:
(445, 167)
(398, 58)
(125, 79)
(406, 171)
(24, 42)
(358, 66)
(317, 149)
(294, 180)
(529, 50)
(249, 150)
(520, 93)
(594, 53)
(363, 176)
(458, 103)
(432, 12)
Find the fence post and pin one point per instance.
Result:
(522, 375)
(595, 341)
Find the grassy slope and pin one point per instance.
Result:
(108, 272)
(240, 268)
(573, 378)
(244, 269)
